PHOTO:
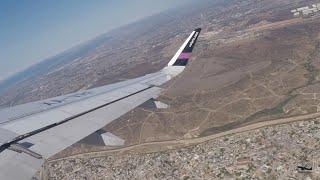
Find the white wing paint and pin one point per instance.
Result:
(33, 132)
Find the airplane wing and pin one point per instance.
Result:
(33, 132)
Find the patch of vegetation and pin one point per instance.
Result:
(266, 112)
(222, 151)
(313, 72)
(251, 168)
(224, 172)
(238, 173)
(272, 111)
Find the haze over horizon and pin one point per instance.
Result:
(35, 30)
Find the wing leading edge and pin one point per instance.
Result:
(31, 133)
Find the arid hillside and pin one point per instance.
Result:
(262, 67)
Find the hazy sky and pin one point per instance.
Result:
(32, 30)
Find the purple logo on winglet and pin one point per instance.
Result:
(185, 56)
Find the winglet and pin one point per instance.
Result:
(183, 55)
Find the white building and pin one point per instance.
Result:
(306, 11)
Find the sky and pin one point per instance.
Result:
(33, 30)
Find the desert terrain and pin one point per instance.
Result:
(258, 69)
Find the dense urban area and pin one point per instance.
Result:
(267, 153)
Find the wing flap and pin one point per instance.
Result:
(53, 140)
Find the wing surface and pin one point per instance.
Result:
(33, 132)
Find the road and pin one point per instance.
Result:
(175, 144)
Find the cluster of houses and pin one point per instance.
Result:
(306, 11)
